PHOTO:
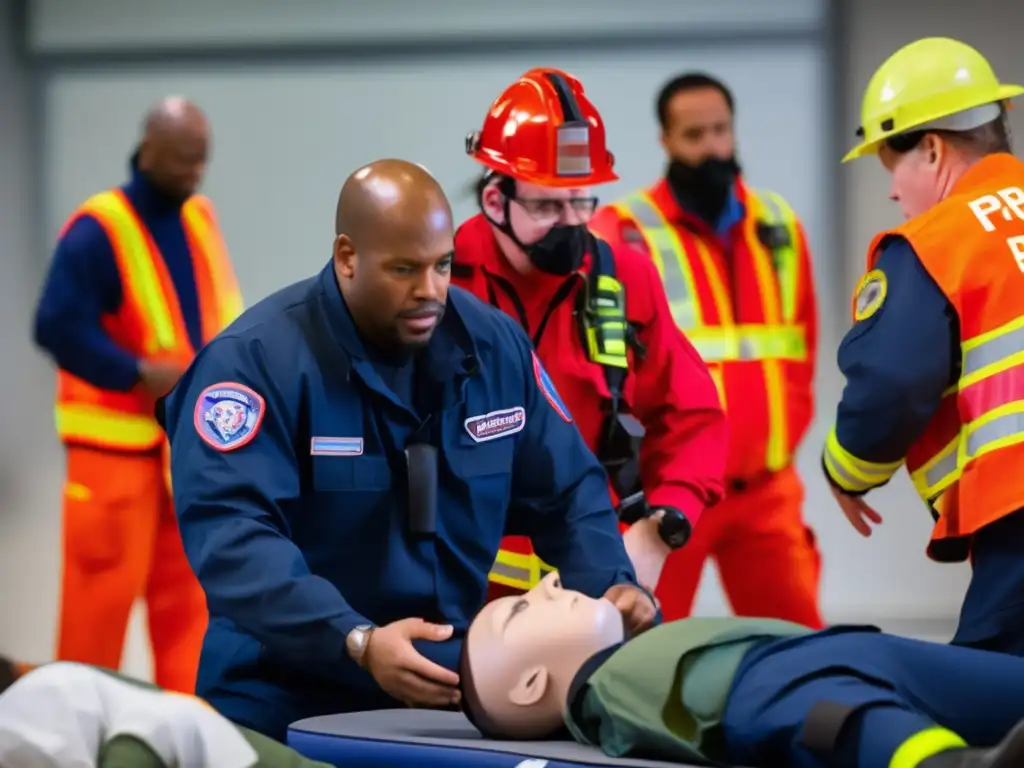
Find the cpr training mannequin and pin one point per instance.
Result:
(751, 692)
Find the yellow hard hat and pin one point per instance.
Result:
(932, 83)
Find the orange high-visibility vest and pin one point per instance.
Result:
(149, 323)
(967, 466)
(701, 300)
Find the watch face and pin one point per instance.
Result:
(674, 528)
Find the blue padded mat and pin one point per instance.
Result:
(428, 739)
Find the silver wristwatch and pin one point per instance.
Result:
(356, 642)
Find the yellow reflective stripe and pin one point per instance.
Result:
(514, 569)
(84, 422)
(750, 342)
(669, 257)
(778, 443)
(983, 356)
(924, 744)
(851, 473)
(606, 337)
(992, 352)
(787, 258)
(939, 472)
(777, 457)
(719, 294)
(141, 275)
(229, 300)
(999, 428)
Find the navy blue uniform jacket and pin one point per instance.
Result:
(897, 363)
(289, 483)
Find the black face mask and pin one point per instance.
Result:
(560, 251)
(703, 188)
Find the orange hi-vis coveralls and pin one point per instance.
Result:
(121, 539)
(746, 301)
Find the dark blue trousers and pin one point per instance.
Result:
(898, 687)
(992, 616)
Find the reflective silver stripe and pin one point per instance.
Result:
(852, 473)
(841, 476)
(992, 431)
(681, 301)
(993, 351)
(978, 438)
(942, 469)
(521, 575)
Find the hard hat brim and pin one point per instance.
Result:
(545, 180)
(866, 148)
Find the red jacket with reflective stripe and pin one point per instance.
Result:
(670, 390)
(739, 288)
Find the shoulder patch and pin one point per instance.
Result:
(547, 388)
(495, 424)
(228, 415)
(869, 295)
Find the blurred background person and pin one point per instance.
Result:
(140, 280)
(737, 270)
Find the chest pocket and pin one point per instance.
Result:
(469, 460)
(365, 474)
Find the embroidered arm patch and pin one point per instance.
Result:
(228, 415)
(869, 295)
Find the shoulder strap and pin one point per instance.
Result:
(777, 231)
(604, 265)
(774, 222)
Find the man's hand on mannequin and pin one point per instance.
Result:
(403, 672)
(636, 606)
(647, 551)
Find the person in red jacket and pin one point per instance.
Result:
(600, 322)
(737, 271)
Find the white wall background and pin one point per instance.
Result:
(286, 136)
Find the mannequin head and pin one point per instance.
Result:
(521, 655)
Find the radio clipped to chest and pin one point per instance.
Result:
(607, 337)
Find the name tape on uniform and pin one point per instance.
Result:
(547, 388)
(496, 424)
(228, 415)
(869, 295)
(336, 446)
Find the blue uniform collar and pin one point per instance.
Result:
(146, 198)
(731, 214)
(452, 351)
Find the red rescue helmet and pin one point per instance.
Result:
(544, 130)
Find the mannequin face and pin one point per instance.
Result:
(523, 653)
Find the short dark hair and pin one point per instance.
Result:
(689, 81)
(991, 138)
(506, 184)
